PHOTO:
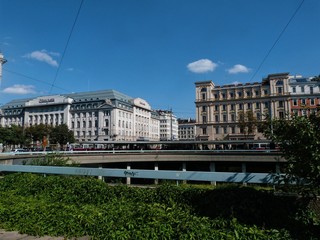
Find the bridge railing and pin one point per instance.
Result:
(264, 151)
(229, 177)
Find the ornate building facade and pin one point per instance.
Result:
(218, 107)
(99, 115)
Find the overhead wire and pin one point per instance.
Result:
(277, 40)
(66, 46)
(34, 79)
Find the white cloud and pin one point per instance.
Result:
(238, 68)
(70, 69)
(202, 66)
(236, 83)
(43, 56)
(20, 89)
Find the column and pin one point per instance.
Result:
(184, 169)
(128, 178)
(244, 170)
(100, 177)
(213, 169)
(156, 168)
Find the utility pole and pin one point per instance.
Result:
(2, 61)
(171, 136)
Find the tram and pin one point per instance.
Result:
(226, 145)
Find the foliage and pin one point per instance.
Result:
(17, 135)
(299, 139)
(62, 135)
(12, 136)
(51, 159)
(247, 122)
(79, 206)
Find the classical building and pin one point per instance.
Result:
(168, 125)
(305, 95)
(186, 129)
(98, 115)
(218, 108)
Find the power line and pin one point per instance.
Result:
(277, 40)
(66, 46)
(34, 79)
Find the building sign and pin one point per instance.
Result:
(141, 103)
(46, 100)
(49, 100)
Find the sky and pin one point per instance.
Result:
(153, 49)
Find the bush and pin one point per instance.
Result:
(77, 206)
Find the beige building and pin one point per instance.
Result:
(218, 107)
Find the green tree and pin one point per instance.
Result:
(13, 135)
(247, 123)
(299, 139)
(38, 132)
(62, 135)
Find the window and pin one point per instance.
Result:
(312, 101)
(295, 102)
(249, 105)
(224, 107)
(303, 102)
(223, 95)
(294, 89)
(204, 131)
(217, 118)
(240, 106)
(225, 131)
(279, 90)
(239, 94)
(203, 96)
(204, 119)
(302, 89)
(281, 115)
(280, 104)
(265, 92)
(311, 90)
(225, 118)
(217, 130)
(256, 93)
(248, 93)
(232, 107)
(233, 117)
(216, 108)
(231, 95)
(204, 108)
(257, 105)
(266, 104)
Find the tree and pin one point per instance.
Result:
(37, 132)
(299, 139)
(12, 135)
(62, 135)
(247, 123)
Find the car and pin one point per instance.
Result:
(18, 150)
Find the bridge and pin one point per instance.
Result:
(205, 161)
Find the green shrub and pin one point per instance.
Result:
(78, 206)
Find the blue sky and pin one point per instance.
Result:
(152, 49)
